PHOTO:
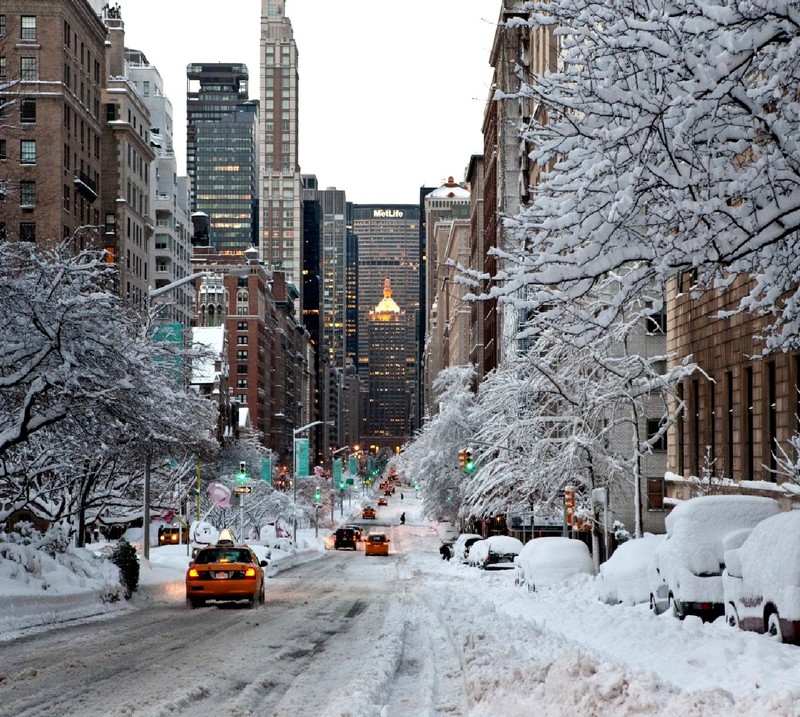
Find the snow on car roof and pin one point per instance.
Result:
(714, 512)
(504, 543)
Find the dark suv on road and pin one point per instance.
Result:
(344, 538)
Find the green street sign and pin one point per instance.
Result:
(301, 456)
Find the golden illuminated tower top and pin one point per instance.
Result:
(387, 304)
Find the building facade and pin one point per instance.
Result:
(172, 249)
(280, 188)
(127, 194)
(392, 373)
(741, 415)
(222, 152)
(446, 315)
(52, 56)
(267, 349)
(388, 245)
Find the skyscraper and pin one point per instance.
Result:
(388, 245)
(280, 193)
(392, 372)
(222, 152)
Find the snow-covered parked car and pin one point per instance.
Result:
(623, 577)
(761, 580)
(548, 561)
(496, 551)
(462, 545)
(686, 572)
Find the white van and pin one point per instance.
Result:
(686, 572)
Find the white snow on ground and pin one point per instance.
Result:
(456, 633)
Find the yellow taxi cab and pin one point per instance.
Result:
(225, 572)
(376, 544)
(368, 512)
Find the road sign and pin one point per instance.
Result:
(242, 489)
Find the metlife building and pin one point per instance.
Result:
(388, 246)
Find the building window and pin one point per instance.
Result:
(27, 69)
(241, 340)
(241, 311)
(27, 194)
(3, 66)
(2, 25)
(146, 88)
(241, 296)
(241, 326)
(653, 424)
(27, 27)
(660, 366)
(27, 232)
(241, 383)
(27, 151)
(27, 111)
(657, 320)
(241, 368)
(655, 494)
(241, 355)
(3, 154)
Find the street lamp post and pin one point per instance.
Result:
(295, 431)
(153, 294)
(341, 488)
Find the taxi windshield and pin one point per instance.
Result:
(223, 555)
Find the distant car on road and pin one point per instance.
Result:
(376, 544)
(356, 530)
(171, 535)
(225, 573)
(382, 501)
(344, 538)
(368, 513)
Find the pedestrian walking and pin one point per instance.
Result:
(402, 518)
(401, 496)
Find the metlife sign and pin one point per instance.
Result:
(388, 213)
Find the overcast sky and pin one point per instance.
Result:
(392, 94)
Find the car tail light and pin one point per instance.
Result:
(193, 573)
(250, 573)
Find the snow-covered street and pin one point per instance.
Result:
(411, 634)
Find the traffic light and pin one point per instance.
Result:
(469, 464)
(241, 476)
(318, 495)
(462, 459)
